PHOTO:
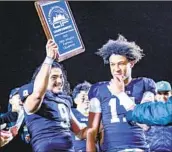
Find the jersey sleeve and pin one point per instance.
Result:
(95, 106)
(150, 90)
(94, 98)
(94, 91)
(150, 85)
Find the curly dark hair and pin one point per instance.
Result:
(66, 87)
(120, 47)
(85, 86)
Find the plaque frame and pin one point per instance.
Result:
(49, 33)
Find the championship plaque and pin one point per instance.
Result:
(58, 24)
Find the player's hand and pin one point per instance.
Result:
(14, 130)
(116, 85)
(51, 49)
(5, 137)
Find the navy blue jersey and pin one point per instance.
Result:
(52, 120)
(138, 86)
(79, 145)
(118, 134)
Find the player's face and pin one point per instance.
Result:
(16, 103)
(56, 80)
(163, 96)
(82, 99)
(120, 66)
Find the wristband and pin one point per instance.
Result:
(48, 60)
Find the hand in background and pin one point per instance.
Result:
(14, 130)
(5, 137)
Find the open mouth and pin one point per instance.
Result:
(57, 85)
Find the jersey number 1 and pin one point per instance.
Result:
(114, 115)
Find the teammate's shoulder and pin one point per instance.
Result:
(99, 84)
(69, 99)
(149, 84)
(144, 79)
(62, 97)
(96, 89)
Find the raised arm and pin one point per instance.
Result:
(33, 102)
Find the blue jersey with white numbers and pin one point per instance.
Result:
(118, 134)
(79, 145)
(51, 120)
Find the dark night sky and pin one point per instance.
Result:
(22, 40)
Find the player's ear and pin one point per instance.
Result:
(10, 101)
(76, 101)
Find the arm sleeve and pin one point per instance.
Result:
(94, 98)
(150, 85)
(157, 113)
(150, 90)
(95, 105)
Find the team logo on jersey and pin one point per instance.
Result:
(25, 93)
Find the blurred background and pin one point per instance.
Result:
(22, 40)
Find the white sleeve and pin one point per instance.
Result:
(95, 106)
(125, 100)
(148, 96)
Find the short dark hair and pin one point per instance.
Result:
(120, 47)
(85, 86)
(66, 87)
